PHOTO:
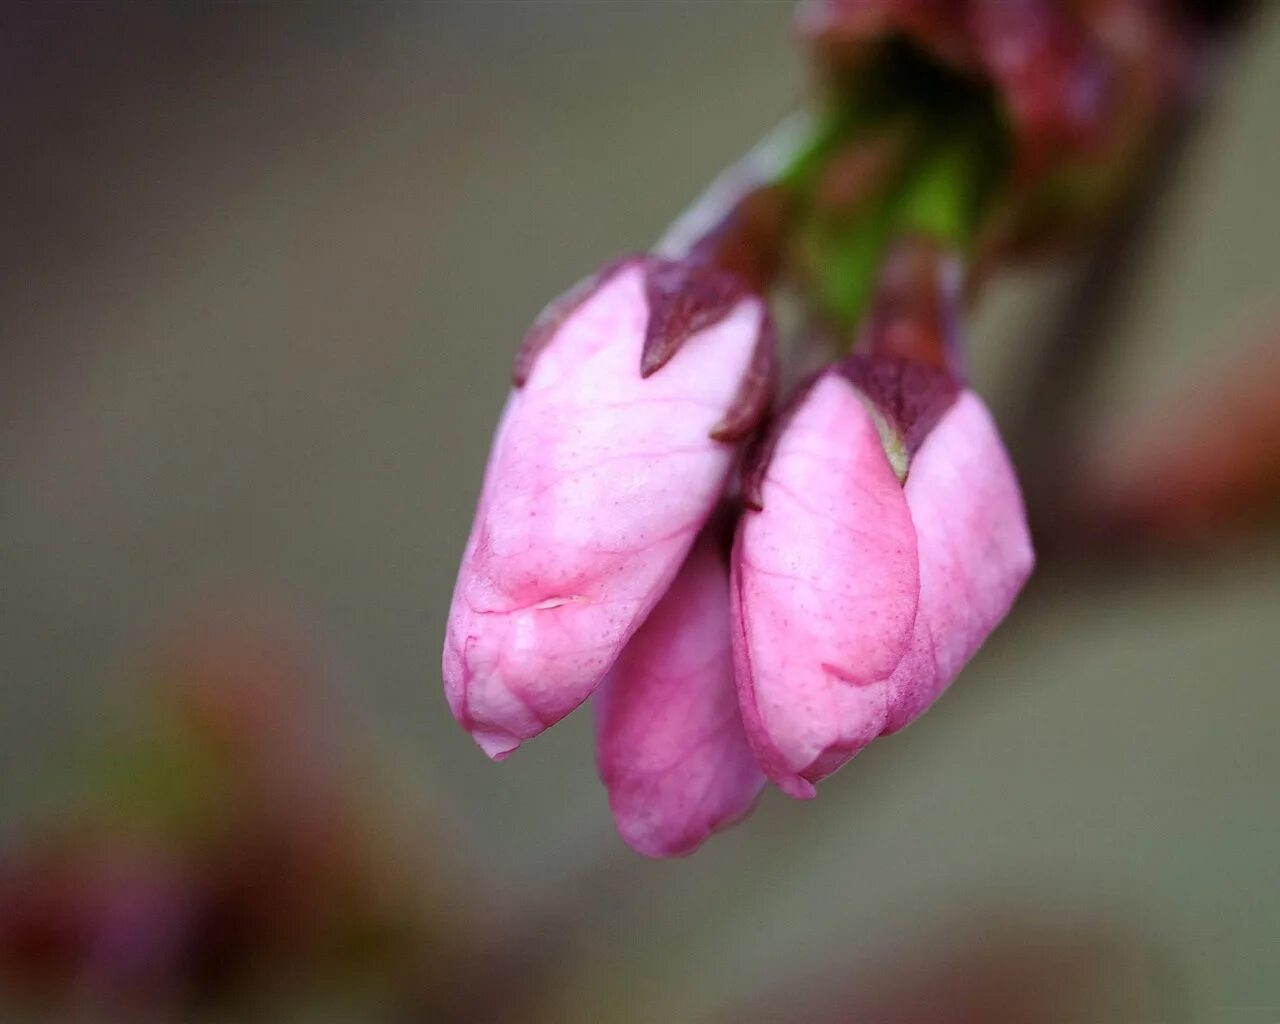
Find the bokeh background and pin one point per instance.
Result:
(265, 270)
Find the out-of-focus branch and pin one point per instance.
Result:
(1204, 469)
(1045, 431)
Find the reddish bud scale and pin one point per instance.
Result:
(1051, 74)
(915, 313)
(911, 397)
(684, 297)
(747, 241)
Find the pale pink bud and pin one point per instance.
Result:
(825, 585)
(858, 599)
(609, 458)
(670, 745)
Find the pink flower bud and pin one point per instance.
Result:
(856, 599)
(670, 745)
(609, 458)
(825, 585)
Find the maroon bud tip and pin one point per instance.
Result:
(747, 242)
(915, 310)
(911, 396)
(684, 297)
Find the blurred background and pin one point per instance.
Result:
(265, 271)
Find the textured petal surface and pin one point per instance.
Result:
(974, 547)
(670, 745)
(825, 586)
(598, 482)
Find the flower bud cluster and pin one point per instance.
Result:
(748, 597)
(754, 581)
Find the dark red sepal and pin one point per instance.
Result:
(558, 311)
(1047, 61)
(684, 297)
(911, 396)
(748, 240)
(915, 311)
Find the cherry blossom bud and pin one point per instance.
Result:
(825, 586)
(857, 598)
(671, 749)
(611, 454)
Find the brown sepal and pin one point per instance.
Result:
(684, 297)
(1048, 65)
(915, 311)
(557, 312)
(748, 240)
(911, 396)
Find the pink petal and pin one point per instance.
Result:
(824, 591)
(670, 746)
(597, 484)
(974, 546)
